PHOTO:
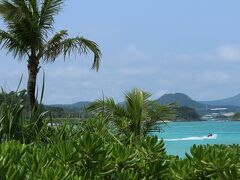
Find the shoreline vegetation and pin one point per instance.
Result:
(109, 144)
(99, 147)
(107, 140)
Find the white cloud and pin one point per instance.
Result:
(203, 78)
(229, 53)
(181, 57)
(70, 72)
(134, 52)
(159, 93)
(138, 71)
(193, 73)
(212, 77)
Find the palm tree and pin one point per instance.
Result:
(29, 24)
(138, 114)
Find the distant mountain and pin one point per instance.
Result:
(81, 104)
(181, 99)
(232, 101)
(78, 105)
(202, 107)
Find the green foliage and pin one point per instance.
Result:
(102, 147)
(75, 152)
(236, 117)
(99, 148)
(11, 119)
(136, 116)
(83, 154)
(15, 124)
(186, 113)
(56, 112)
(209, 162)
(29, 24)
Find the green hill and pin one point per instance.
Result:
(181, 99)
(74, 106)
(231, 101)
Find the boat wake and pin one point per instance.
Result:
(197, 138)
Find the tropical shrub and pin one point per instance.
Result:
(92, 150)
(16, 123)
(84, 154)
(137, 115)
(209, 162)
(99, 148)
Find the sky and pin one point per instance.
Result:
(160, 46)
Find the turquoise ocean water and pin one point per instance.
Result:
(180, 136)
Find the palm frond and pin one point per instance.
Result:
(97, 106)
(136, 102)
(21, 18)
(12, 10)
(93, 47)
(28, 24)
(139, 114)
(49, 9)
(53, 46)
(59, 45)
(108, 107)
(120, 111)
(34, 8)
(12, 45)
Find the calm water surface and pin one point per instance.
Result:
(180, 136)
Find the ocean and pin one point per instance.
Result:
(180, 136)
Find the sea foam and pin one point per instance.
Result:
(196, 138)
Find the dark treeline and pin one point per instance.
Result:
(54, 111)
(183, 113)
(186, 113)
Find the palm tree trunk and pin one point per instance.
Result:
(32, 78)
(138, 127)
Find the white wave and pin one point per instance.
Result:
(197, 138)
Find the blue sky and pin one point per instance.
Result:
(159, 46)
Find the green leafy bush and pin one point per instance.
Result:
(209, 162)
(98, 148)
(87, 155)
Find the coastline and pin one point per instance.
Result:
(179, 120)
